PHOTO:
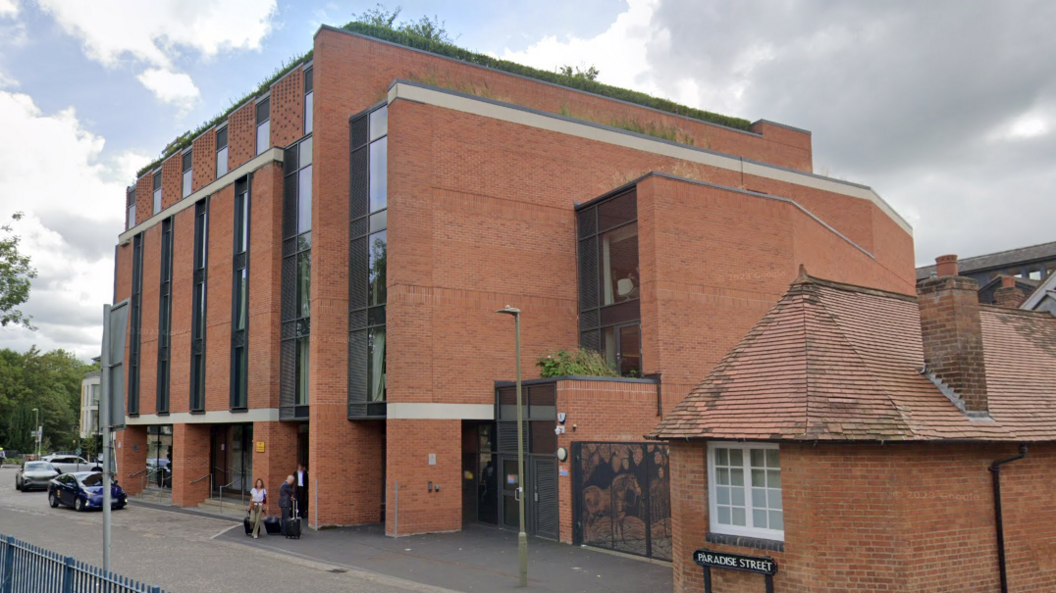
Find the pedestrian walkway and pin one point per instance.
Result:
(475, 560)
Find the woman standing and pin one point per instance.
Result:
(258, 506)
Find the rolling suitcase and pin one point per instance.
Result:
(293, 523)
(272, 525)
(248, 526)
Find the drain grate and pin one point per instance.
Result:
(337, 570)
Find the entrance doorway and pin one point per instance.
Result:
(159, 456)
(232, 458)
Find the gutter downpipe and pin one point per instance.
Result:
(995, 469)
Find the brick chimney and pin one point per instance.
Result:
(1009, 295)
(952, 333)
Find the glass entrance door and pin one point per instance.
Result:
(232, 458)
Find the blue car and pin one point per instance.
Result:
(83, 491)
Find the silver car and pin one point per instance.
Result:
(35, 475)
(70, 464)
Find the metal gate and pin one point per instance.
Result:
(622, 498)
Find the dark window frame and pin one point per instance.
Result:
(366, 313)
(158, 196)
(199, 304)
(309, 96)
(296, 250)
(594, 316)
(239, 388)
(263, 116)
(188, 167)
(164, 370)
(221, 136)
(130, 207)
(135, 319)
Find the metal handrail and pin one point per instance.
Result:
(228, 485)
(193, 482)
(140, 472)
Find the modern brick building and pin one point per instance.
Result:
(316, 278)
(849, 436)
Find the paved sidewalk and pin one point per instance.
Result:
(477, 559)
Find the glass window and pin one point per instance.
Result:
(239, 379)
(302, 372)
(243, 299)
(221, 152)
(304, 199)
(379, 174)
(744, 490)
(132, 216)
(263, 125)
(242, 222)
(376, 274)
(376, 364)
(188, 181)
(157, 192)
(379, 123)
(619, 264)
(308, 100)
(617, 211)
(623, 348)
(304, 284)
(201, 310)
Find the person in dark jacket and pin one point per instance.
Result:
(302, 490)
(287, 492)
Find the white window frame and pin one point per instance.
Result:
(713, 518)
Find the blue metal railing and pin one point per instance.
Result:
(25, 568)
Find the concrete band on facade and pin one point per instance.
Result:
(438, 97)
(213, 417)
(273, 154)
(428, 411)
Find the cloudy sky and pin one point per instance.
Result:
(946, 108)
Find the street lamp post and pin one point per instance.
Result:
(39, 430)
(522, 537)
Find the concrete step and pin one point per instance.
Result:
(154, 496)
(231, 506)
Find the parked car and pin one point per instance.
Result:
(35, 475)
(83, 491)
(71, 464)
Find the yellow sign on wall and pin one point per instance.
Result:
(260, 446)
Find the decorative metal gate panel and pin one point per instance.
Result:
(622, 498)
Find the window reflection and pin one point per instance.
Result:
(376, 288)
(619, 264)
(378, 174)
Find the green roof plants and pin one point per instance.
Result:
(430, 35)
(580, 362)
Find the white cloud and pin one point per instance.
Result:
(156, 32)
(73, 201)
(8, 8)
(175, 88)
(619, 52)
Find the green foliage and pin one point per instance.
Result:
(184, 140)
(16, 274)
(581, 362)
(406, 38)
(588, 74)
(50, 382)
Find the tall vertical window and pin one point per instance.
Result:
(308, 101)
(221, 152)
(134, 318)
(164, 317)
(610, 280)
(296, 279)
(199, 301)
(130, 202)
(157, 192)
(240, 298)
(188, 177)
(368, 264)
(263, 125)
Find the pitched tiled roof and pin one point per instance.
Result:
(838, 362)
(997, 260)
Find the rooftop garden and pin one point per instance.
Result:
(429, 35)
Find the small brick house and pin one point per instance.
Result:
(873, 441)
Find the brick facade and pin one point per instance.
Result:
(900, 517)
(481, 215)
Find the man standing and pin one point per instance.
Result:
(286, 494)
(302, 490)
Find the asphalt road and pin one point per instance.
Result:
(178, 552)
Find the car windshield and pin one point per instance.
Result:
(39, 466)
(92, 480)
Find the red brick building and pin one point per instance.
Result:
(849, 436)
(316, 278)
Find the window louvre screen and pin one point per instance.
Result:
(263, 111)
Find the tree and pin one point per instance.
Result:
(49, 382)
(15, 276)
(379, 16)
